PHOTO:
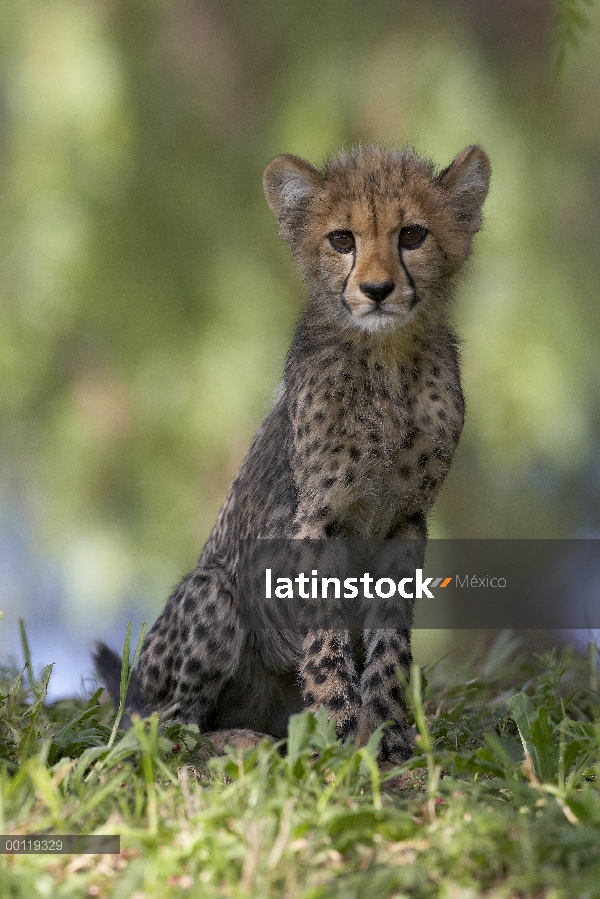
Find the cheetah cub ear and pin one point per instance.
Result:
(289, 183)
(467, 180)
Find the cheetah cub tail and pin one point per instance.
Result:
(108, 666)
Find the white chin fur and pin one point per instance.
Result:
(374, 321)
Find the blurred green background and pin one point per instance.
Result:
(146, 302)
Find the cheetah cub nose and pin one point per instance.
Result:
(377, 292)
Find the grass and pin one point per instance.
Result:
(501, 800)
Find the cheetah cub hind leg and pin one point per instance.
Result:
(108, 666)
(238, 738)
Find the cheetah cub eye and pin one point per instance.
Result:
(342, 241)
(412, 236)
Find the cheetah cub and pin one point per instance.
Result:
(356, 446)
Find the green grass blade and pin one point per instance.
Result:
(126, 675)
(26, 654)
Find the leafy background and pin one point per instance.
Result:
(146, 302)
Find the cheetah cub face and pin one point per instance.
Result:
(378, 234)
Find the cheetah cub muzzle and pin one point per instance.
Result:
(355, 447)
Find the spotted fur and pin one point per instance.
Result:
(357, 445)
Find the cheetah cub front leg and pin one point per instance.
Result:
(328, 677)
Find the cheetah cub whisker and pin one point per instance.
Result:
(356, 446)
